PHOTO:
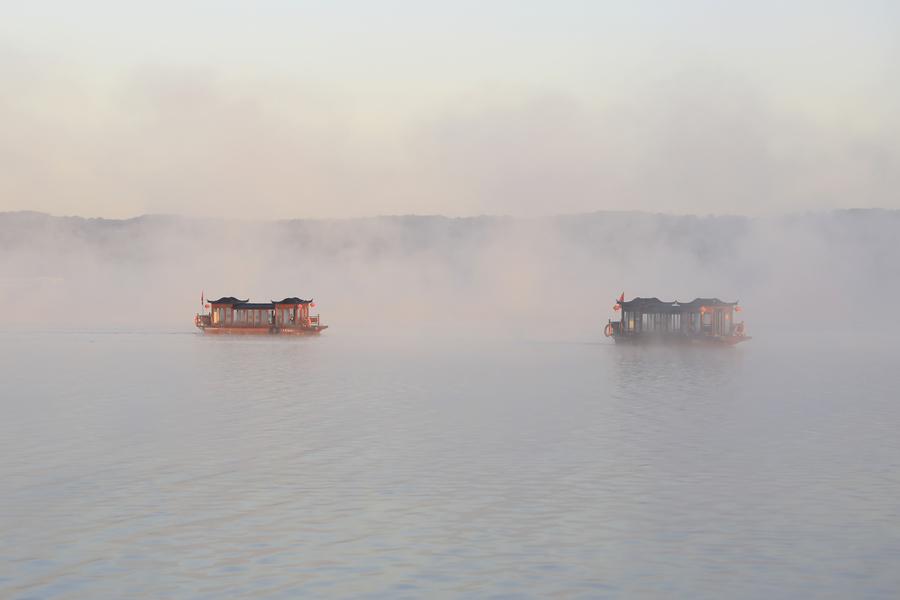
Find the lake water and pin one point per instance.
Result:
(177, 465)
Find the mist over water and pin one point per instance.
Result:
(480, 276)
(463, 429)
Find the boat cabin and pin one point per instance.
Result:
(702, 319)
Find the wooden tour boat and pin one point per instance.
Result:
(702, 320)
(232, 315)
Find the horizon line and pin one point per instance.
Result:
(448, 217)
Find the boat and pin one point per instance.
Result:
(230, 315)
(702, 320)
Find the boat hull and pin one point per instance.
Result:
(299, 331)
(730, 340)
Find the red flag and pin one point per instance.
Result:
(622, 297)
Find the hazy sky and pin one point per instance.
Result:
(335, 109)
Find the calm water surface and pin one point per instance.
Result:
(173, 465)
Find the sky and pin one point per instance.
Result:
(339, 109)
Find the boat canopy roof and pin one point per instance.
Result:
(655, 305)
(292, 300)
(228, 300)
(238, 303)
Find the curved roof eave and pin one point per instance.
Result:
(228, 300)
(291, 300)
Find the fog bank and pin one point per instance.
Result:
(543, 278)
